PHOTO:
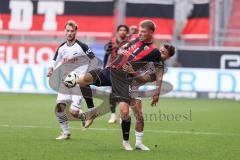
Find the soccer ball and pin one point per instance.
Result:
(70, 80)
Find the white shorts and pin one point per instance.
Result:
(75, 100)
(81, 70)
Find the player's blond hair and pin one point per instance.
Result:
(149, 24)
(72, 24)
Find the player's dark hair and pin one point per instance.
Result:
(171, 49)
(72, 24)
(149, 24)
(124, 26)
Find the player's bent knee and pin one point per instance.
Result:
(85, 79)
(125, 115)
(60, 107)
(124, 110)
(74, 113)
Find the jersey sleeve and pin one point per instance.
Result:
(154, 56)
(56, 59)
(86, 50)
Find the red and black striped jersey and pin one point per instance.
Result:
(137, 52)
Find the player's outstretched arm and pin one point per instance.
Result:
(159, 76)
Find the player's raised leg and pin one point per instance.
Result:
(95, 77)
(75, 108)
(84, 81)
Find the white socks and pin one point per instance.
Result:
(139, 136)
(64, 127)
(91, 109)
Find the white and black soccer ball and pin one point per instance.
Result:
(70, 80)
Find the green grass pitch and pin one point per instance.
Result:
(179, 129)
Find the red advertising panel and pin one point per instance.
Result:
(27, 53)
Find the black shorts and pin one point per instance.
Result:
(101, 77)
(118, 79)
(121, 85)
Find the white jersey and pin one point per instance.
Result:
(65, 51)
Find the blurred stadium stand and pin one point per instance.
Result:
(232, 36)
(185, 22)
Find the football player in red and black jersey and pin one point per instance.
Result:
(137, 54)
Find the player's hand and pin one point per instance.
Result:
(155, 99)
(49, 72)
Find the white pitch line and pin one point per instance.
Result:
(114, 129)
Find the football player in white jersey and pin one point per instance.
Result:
(72, 47)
